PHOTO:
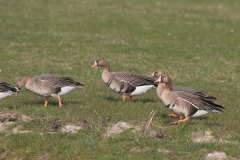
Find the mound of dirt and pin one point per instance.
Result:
(72, 128)
(216, 155)
(207, 137)
(10, 117)
(117, 129)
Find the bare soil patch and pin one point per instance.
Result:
(10, 117)
(207, 137)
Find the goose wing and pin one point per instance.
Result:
(178, 88)
(195, 92)
(197, 101)
(56, 82)
(133, 79)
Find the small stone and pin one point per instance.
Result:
(117, 129)
(71, 128)
(216, 155)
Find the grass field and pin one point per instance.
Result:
(196, 43)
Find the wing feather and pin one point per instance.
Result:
(197, 101)
(195, 92)
(56, 82)
(133, 79)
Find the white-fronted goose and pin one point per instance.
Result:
(158, 73)
(125, 83)
(184, 103)
(47, 85)
(6, 90)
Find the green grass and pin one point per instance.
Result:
(196, 43)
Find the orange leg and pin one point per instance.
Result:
(181, 117)
(131, 98)
(46, 102)
(173, 115)
(184, 120)
(124, 97)
(60, 102)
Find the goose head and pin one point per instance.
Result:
(164, 79)
(21, 82)
(100, 62)
(157, 74)
(103, 63)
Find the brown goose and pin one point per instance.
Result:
(47, 85)
(184, 103)
(6, 90)
(125, 83)
(158, 73)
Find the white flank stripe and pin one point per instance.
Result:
(127, 82)
(188, 102)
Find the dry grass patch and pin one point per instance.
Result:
(207, 137)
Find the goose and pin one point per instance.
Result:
(47, 85)
(125, 83)
(158, 73)
(184, 103)
(6, 90)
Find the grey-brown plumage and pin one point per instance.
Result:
(125, 83)
(48, 85)
(54, 82)
(129, 81)
(184, 103)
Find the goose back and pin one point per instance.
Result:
(56, 82)
(127, 83)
